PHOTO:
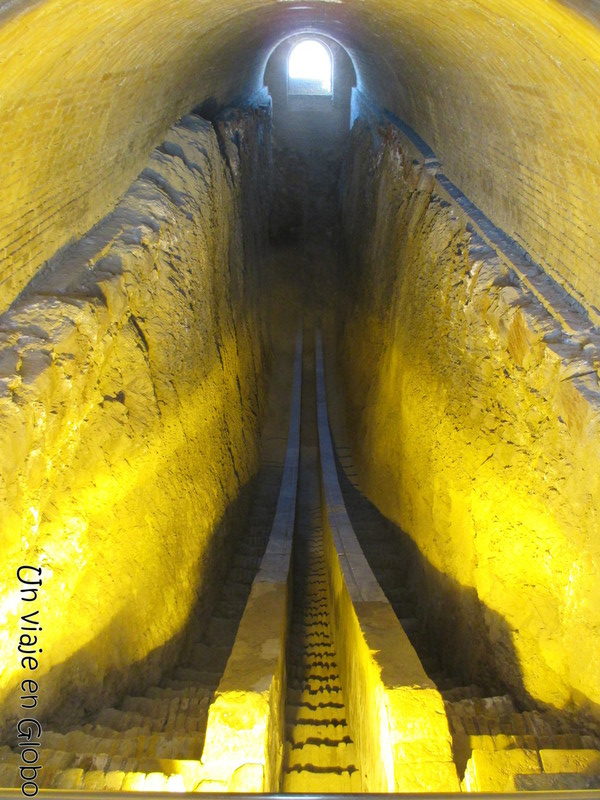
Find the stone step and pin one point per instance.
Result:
(319, 699)
(541, 724)
(81, 742)
(221, 631)
(165, 707)
(310, 702)
(318, 639)
(116, 780)
(191, 692)
(321, 782)
(462, 693)
(516, 724)
(155, 722)
(150, 745)
(313, 671)
(104, 732)
(176, 683)
(89, 760)
(68, 779)
(556, 781)
(180, 746)
(560, 741)
(481, 706)
(580, 761)
(495, 771)
(301, 732)
(122, 720)
(203, 679)
(532, 770)
(312, 661)
(321, 755)
(320, 690)
(209, 658)
(311, 627)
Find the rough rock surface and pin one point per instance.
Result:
(475, 420)
(131, 385)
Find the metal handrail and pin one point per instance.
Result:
(78, 794)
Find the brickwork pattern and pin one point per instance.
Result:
(503, 91)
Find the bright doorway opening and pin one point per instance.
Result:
(310, 69)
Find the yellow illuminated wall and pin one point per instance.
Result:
(130, 398)
(475, 423)
(506, 93)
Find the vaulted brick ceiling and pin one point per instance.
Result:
(504, 91)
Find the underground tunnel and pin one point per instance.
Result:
(299, 396)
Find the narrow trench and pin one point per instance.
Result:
(146, 741)
(319, 752)
(134, 745)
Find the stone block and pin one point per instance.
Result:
(586, 762)
(434, 776)
(556, 781)
(248, 778)
(495, 771)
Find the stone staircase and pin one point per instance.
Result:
(320, 755)
(503, 749)
(154, 742)
(497, 747)
(147, 743)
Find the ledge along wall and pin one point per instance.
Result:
(131, 390)
(474, 407)
(245, 732)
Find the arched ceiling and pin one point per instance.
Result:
(504, 91)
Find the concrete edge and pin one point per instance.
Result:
(244, 735)
(395, 711)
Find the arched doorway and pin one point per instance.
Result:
(310, 69)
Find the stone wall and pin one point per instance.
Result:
(475, 421)
(131, 385)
